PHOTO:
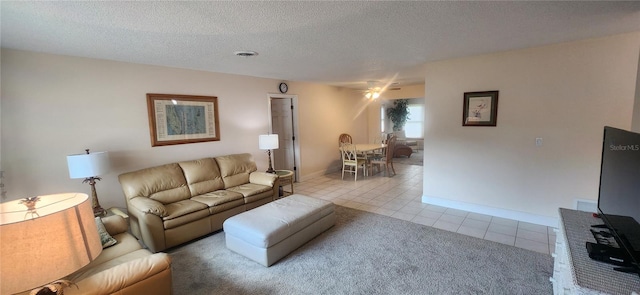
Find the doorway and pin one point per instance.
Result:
(284, 122)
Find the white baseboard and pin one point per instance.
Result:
(488, 210)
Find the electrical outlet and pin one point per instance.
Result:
(539, 141)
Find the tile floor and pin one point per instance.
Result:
(400, 196)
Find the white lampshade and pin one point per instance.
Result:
(46, 244)
(268, 141)
(88, 165)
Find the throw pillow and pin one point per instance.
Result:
(105, 238)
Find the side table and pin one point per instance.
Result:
(286, 177)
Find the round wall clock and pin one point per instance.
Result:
(283, 87)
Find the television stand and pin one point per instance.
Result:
(574, 272)
(628, 269)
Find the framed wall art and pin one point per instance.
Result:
(480, 108)
(180, 119)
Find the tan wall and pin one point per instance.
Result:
(54, 106)
(564, 94)
(635, 124)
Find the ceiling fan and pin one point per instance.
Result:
(374, 90)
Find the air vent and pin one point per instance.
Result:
(245, 53)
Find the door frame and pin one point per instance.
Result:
(294, 114)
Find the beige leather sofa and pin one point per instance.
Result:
(174, 203)
(124, 268)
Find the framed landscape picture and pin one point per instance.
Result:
(480, 108)
(180, 119)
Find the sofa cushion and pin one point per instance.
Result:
(146, 275)
(127, 243)
(181, 208)
(165, 184)
(182, 220)
(184, 212)
(218, 197)
(202, 176)
(87, 272)
(259, 198)
(227, 206)
(250, 189)
(115, 224)
(150, 274)
(235, 169)
(221, 200)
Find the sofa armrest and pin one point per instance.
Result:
(115, 224)
(263, 178)
(156, 267)
(147, 205)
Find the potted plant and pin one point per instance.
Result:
(399, 113)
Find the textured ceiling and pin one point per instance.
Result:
(336, 43)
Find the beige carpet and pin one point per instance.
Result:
(366, 253)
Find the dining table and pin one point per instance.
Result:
(367, 150)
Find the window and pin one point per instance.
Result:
(414, 126)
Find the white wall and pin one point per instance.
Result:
(53, 106)
(564, 94)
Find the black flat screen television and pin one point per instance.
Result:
(619, 193)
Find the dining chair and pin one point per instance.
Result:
(352, 160)
(344, 138)
(377, 140)
(387, 158)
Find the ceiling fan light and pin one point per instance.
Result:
(376, 94)
(368, 94)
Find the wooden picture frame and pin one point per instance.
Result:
(180, 119)
(480, 108)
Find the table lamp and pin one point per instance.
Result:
(89, 166)
(45, 238)
(268, 142)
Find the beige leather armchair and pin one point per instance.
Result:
(124, 268)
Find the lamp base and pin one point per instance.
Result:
(97, 209)
(270, 170)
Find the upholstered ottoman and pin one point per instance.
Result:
(269, 232)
